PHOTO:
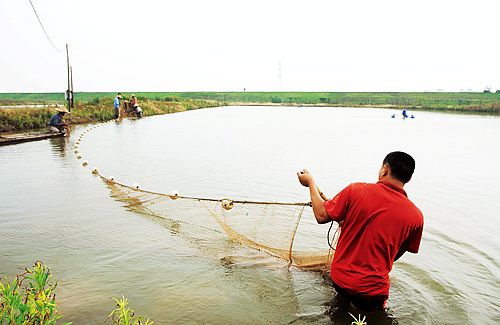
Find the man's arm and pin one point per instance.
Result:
(406, 246)
(60, 122)
(412, 243)
(317, 198)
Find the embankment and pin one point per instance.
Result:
(98, 110)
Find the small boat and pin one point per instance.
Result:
(7, 139)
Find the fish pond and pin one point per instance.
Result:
(53, 209)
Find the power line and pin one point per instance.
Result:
(36, 14)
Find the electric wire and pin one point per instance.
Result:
(46, 34)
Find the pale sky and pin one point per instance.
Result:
(272, 45)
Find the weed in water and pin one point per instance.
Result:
(29, 298)
(123, 315)
(359, 320)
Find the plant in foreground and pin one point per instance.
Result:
(29, 298)
(358, 321)
(123, 315)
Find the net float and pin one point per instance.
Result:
(227, 204)
(174, 195)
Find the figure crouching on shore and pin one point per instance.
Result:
(56, 123)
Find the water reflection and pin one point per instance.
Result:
(59, 145)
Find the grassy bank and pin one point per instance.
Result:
(98, 109)
(95, 106)
(461, 101)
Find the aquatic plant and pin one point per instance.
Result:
(29, 298)
(123, 315)
(358, 321)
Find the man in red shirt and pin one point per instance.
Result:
(379, 224)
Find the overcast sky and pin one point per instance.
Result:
(271, 45)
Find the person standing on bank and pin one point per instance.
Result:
(116, 105)
(56, 123)
(379, 224)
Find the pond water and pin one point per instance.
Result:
(52, 209)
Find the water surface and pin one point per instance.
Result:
(53, 209)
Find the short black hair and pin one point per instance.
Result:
(402, 165)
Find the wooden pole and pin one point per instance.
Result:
(71, 89)
(68, 91)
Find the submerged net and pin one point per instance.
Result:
(284, 230)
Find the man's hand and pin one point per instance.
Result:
(305, 178)
(317, 197)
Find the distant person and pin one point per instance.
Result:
(56, 123)
(412, 116)
(135, 106)
(133, 101)
(379, 224)
(393, 116)
(116, 104)
(404, 114)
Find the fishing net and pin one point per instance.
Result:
(284, 230)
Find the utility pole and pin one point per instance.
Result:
(68, 91)
(71, 89)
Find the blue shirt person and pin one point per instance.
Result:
(404, 114)
(56, 123)
(116, 105)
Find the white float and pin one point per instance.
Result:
(174, 195)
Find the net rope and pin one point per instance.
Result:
(271, 227)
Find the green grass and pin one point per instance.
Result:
(17, 119)
(30, 298)
(97, 109)
(461, 101)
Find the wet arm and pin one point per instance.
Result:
(317, 201)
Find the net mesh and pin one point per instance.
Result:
(266, 226)
(284, 230)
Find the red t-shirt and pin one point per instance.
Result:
(377, 221)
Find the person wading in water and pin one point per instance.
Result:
(116, 105)
(379, 224)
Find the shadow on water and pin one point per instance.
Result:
(59, 145)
